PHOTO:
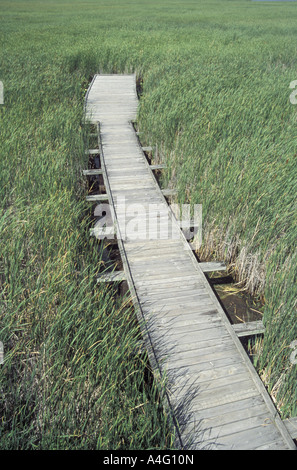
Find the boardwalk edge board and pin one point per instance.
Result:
(291, 425)
(212, 266)
(165, 315)
(92, 172)
(249, 328)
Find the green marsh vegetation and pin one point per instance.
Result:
(215, 99)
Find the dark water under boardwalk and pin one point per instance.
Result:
(240, 306)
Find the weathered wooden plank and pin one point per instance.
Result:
(212, 266)
(160, 166)
(126, 172)
(97, 197)
(211, 397)
(168, 255)
(221, 417)
(132, 185)
(128, 167)
(168, 288)
(137, 192)
(201, 315)
(244, 424)
(247, 439)
(152, 245)
(275, 444)
(249, 328)
(195, 338)
(178, 345)
(103, 232)
(207, 355)
(158, 279)
(92, 152)
(185, 333)
(130, 177)
(197, 368)
(184, 298)
(158, 248)
(92, 172)
(169, 192)
(193, 288)
(115, 276)
(165, 281)
(189, 379)
(169, 267)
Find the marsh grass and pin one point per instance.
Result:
(215, 99)
(74, 375)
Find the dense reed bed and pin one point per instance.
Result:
(215, 99)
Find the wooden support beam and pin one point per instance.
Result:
(97, 197)
(158, 167)
(169, 192)
(115, 276)
(186, 224)
(291, 425)
(92, 172)
(103, 232)
(92, 151)
(147, 149)
(212, 266)
(249, 328)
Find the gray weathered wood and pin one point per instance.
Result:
(249, 328)
(97, 197)
(115, 276)
(210, 266)
(160, 166)
(92, 152)
(211, 381)
(103, 232)
(169, 192)
(92, 172)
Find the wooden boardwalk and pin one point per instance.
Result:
(217, 399)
